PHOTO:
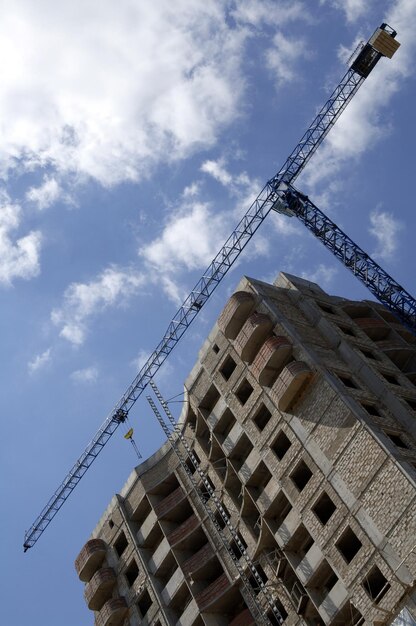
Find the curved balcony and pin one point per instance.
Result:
(291, 382)
(171, 501)
(90, 559)
(244, 618)
(198, 563)
(212, 594)
(270, 359)
(252, 335)
(184, 530)
(374, 327)
(99, 589)
(113, 613)
(235, 313)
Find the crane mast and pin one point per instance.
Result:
(277, 194)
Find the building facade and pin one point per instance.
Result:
(301, 415)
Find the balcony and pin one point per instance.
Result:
(252, 335)
(165, 506)
(99, 589)
(244, 618)
(270, 359)
(212, 594)
(235, 313)
(159, 556)
(198, 562)
(178, 535)
(147, 529)
(174, 585)
(289, 385)
(374, 327)
(113, 613)
(90, 558)
(190, 615)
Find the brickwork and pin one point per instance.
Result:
(301, 410)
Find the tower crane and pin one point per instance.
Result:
(279, 195)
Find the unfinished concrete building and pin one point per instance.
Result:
(301, 414)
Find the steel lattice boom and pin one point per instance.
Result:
(381, 284)
(270, 197)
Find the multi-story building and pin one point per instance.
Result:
(301, 413)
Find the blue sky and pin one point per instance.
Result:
(133, 137)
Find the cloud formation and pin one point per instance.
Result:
(46, 194)
(39, 361)
(323, 275)
(385, 228)
(282, 57)
(106, 92)
(82, 301)
(353, 9)
(19, 257)
(86, 375)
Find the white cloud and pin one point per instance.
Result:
(189, 239)
(107, 90)
(191, 190)
(239, 185)
(385, 228)
(46, 194)
(282, 57)
(40, 361)
(217, 170)
(323, 275)
(19, 258)
(353, 9)
(269, 12)
(140, 360)
(87, 375)
(113, 287)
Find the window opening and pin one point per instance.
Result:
(121, 544)
(144, 603)
(326, 308)
(262, 417)
(324, 508)
(397, 440)
(348, 544)
(369, 355)
(346, 330)
(244, 391)
(281, 445)
(371, 409)
(301, 475)
(347, 381)
(411, 403)
(375, 584)
(390, 378)
(228, 367)
(225, 423)
(215, 348)
(210, 399)
(132, 572)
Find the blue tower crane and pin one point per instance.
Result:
(278, 194)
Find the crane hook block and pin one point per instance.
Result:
(120, 416)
